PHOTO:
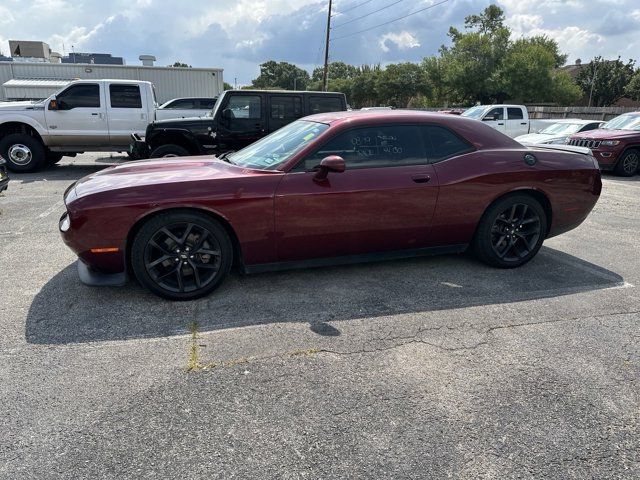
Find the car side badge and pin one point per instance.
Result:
(530, 159)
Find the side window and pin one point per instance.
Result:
(372, 147)
(286, 108)
(442, 143)
(207, 103)
(182, 104)
(78, 96)
(245, 106)
(515, 114)
(499, 111)
(125, 96)
(590, 126)
(324, 104)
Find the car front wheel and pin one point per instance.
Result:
(511, 232)
(170, 150)
(181, 255)
(628, 165)
(22, 152)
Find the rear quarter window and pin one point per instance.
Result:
(442, 143)
(319, 104)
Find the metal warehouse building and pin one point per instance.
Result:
(35, 81)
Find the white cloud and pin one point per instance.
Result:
(5, 16)
(403, 41)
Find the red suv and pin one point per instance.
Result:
(616, 145)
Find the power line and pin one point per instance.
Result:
(354, 7)
(391, 21)
(366, 15)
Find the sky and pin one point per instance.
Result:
(238, 35)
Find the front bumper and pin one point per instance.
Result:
(93, 278)
(138, 148)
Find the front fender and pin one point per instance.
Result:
(155, 138)
(39, 127)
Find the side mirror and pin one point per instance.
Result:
(53, 104)
(332, 163)
(227, 114)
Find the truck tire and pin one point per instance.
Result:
(169, 150)
(23, 153)
(628, 164)
(53, 157)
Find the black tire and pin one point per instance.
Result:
(22, 152)
(186, 263)
(628, 164)
(511, 231)
(169, 150)
(53, 157)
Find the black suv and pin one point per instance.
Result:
(239, 118)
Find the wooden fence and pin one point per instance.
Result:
(585, 113)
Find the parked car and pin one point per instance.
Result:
(512, 120)
(616, 145)
(239, 117)
(185, 107)
(4, 177)
(558, 131)
(331, 188)
(85, 116)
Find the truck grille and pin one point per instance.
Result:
(584, 142)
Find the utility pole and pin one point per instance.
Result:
(325, 73)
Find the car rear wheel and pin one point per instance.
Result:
(628, 165)
(510, 232)
(23, 153)
(181, 255)
(169, 150)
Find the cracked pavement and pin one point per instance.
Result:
(426, 368)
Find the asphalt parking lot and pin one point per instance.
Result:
(428, 368)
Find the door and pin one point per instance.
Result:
(126, 114)
(383, 201)
(81, 119)
(517, 123)
(242, 121)
(495, 119)
(283, 109)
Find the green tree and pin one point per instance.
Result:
(399, 83)
(604, 81)
(180, 64)
(227, 86)
(281, 75)
(335, 70)
(632, 90)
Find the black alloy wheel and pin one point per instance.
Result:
(628, 165)
(181, 256)
(511, 231)
(515, 232)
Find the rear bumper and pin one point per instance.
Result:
(138, 148)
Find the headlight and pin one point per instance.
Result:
(610, 143)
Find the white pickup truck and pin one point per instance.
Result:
(85, 116)
(512, 120)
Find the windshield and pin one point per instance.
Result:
(275, 149)
(216, 106)
(474, 112)
(623, 122)
(562, 129)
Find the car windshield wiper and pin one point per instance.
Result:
(224, 157)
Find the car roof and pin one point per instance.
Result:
(577, 121)
(479, 134)
(313, 92)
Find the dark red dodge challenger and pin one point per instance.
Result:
(327, 189)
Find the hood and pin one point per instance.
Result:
(535, 138)
(20, 106)
(187, 122)
(157, 172)
(604, 134)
